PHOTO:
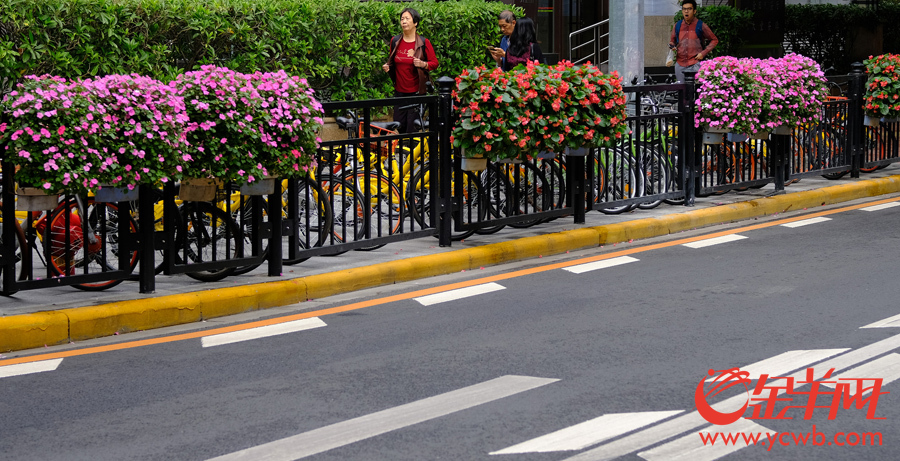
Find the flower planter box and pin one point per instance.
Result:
(35, 199)
(889, 120)
(760, 135)
(783, 130)
(579, 152)
(264, 186)
(737, 137)
(198, 189)
(108, 193)
(713, 138)
(474, 164)
(544, 155)
(871, 121)
(514, 161)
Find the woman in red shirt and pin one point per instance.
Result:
(411, 56)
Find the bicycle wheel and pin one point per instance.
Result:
(622, 181)
(472, 209)
(556, 182)
(530, 192)
(656, 176)
(386, 205)
(244, 218)
(346, 205)
(314, 219)
(495, 188)
(92, 243)
(209, 235)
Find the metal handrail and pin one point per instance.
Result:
(595, 40)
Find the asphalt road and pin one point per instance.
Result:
(609, 356)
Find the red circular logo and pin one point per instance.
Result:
(725, 380)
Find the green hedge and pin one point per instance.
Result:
(826, 33)
(339, 45)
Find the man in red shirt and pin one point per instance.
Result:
(689, 46)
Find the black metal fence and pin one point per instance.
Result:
(375, 186)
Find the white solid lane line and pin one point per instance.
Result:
(890, 322)
(806, 222)
(887, 368)
(28, 368)
(782, 364)
(262, 332)
(690, 421)
(881, 207)
(588, 433)
(364, 427)
(582, 268)
(691, 447)
(459, 293)
(714, 241)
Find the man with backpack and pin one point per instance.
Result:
(688, 37)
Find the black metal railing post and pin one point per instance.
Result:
(445, 152)
(781, 145)
(855, 118)
(9, 230)
(690, 141)
(146, 240)
(274, 214)
(575, 182)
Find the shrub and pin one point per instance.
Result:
(882, 98)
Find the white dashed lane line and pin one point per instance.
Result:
(262, 332)
(459, 293)
(28, 368)
(714, 241)
(582, 268)
(806, 222)
(881, 207)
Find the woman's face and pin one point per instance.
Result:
(406, 22)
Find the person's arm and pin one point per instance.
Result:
(498, 54)
(432, 62)
(672, 38)
(713, 41)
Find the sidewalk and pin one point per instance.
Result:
(59, 315)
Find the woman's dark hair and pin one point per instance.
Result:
(522, 37)
(415, 15)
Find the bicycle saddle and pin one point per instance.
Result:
(344, 122)
(390, 126)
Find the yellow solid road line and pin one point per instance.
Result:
(28, 331)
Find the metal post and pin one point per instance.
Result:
(445, 153)
(575, 172)
(275, 256)
(692, 146)
(145, 240)
(780, 148)
(9, 230)
(857, 130)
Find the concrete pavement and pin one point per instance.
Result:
(64, 314)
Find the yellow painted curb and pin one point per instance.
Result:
(27, 331)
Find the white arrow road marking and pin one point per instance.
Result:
(589, 432)
(364, 427)
(787, 362)
(690, 421)
(262, 332)
(714, 241)
(582, 268)
(806, 222)
(891, 322)
(887, 368)
(881, 207)
(691, 447)
(28, 368)
(459, 293)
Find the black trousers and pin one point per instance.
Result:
(406, 117)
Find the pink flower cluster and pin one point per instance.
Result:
(246, 126)
(750, 95)
(127, 130)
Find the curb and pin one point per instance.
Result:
(26, 331)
